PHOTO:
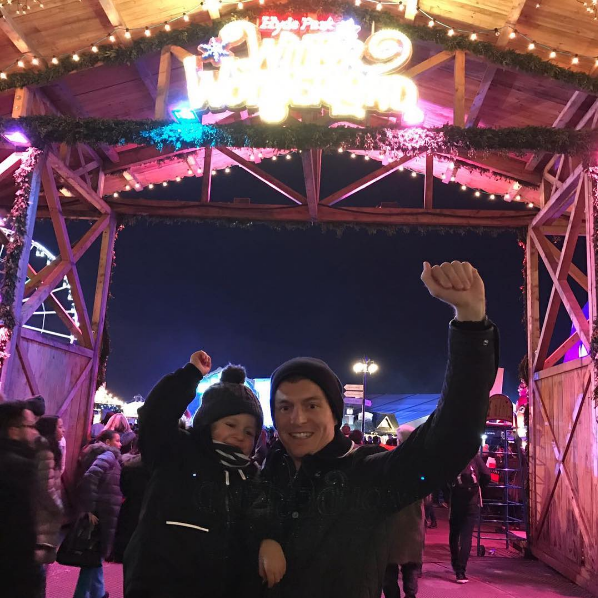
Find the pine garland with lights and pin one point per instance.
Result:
(17, 222)
(194, 33)
(393, 142)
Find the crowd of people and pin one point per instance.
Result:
(225, 507)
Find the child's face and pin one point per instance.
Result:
(236, 430)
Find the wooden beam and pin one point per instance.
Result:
(312, 164)
(428, 64)
(560, 351)
(206, 183)
(21, 274)
(473, 117)
(459, 104)
(257, 172)
(27, 369)
(300, 213)
(163, 83)
(192, 162)
(410, 9)
(561, 121)
(365, 181)
(560, 200)
(17, 37)
(22, 103)
(66, 252)
(9, 165)
(80, 187)
(429, 182)
(75, 389)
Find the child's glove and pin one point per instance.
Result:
(272, 563)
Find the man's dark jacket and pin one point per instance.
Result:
(334, 512)
(18, 571)
(188, 542)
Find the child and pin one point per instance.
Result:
(191, 540)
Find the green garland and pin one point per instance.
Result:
(395, 142)
(199, 32)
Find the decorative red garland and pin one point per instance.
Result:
(17, 222)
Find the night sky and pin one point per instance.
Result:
(259, 295)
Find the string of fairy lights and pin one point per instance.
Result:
(514, 193)
(28, 60)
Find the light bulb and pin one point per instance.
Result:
(512, 35)
(213, 173)
(115, 194)
(189, 172)
(507, 196)
(473, 37)
(552, 54)
(76, 57)
(463, 187)
(401, 168)
(54, 60)
(147, 32)
(453, 179)
(185, 17)
(21, 64)
(492, 196)
(127, 34)
(274, 158)
(517, 197)
(575, 59)
(477, 194)
(379, 6)
(401, 7)
(340, 150)
(288, 156)
(34, 61)
(413, 173)
(450, 32)
(112, 38)
(596, 62)
(357, 2)
(165, 184)
(353, 156)
(262, 2)
(431, 23)
(227, 170)
(530, 205)
(167, 27)
(137, 185)
(127, 187)
(151, 186)
(240, 5)
(94, 49)
(3, 75)
(366, 158)
(531, 46)
(178, 179)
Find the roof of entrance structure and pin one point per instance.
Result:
(512, 98)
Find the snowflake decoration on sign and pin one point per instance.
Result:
(214, 51)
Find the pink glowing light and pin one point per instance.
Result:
(16, 137)
(413, 116)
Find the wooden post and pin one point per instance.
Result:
(429, 184)
(22, 273)
(163, 83)
(206, 182)
(459, 109)
(99, 310)
(22, 102)
(590, 190)
(533, 336)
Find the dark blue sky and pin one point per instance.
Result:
(258, 295)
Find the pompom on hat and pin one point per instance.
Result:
(230, 396)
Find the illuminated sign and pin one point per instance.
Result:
(302, 63)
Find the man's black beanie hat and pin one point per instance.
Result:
(230, 396)
(319, 373)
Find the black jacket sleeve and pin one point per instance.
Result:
(438, 450)
(159, 432)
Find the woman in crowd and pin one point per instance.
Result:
(48, 502)
(99, 498)
(119, 423)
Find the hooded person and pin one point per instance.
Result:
(192, 538)
(317, 479)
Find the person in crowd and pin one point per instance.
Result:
(194, 538)
(407, 547)
(356, 436)
(96, 429)
(392, 441)
(465, 503)
(19, 573)
(429, 512)
(134, 478)
(119, 423)
(100, 498)
(346, 429)
(316, 479)
(376, 440)
(48, 498)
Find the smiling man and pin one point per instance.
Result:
(331, 499)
